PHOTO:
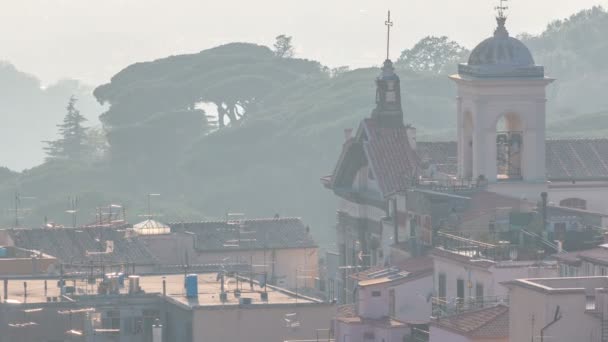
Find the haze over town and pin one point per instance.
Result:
(93, 40)
(299, 171)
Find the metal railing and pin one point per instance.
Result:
(442, 307)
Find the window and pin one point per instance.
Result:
(479, 293)
(441, 291)
(576, 203)
(460, 290)
(376, 293)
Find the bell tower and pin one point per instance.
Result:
(388, 89)
(501, 111)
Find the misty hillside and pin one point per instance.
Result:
(238, 129)
(29, 114)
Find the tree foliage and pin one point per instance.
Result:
(283, 47)
(436, 55)
(73, 142)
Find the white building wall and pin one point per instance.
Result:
(471, 276)
(371, 306)
(529, 311)
(440, 335)
(411, 304)
(595, 193)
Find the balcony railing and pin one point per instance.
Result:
(442, 307)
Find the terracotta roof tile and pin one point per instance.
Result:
(285, 232)
(392, 159)
(490, 322)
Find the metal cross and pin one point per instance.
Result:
(388, 24)
(502, 8)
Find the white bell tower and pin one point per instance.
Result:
(501, 112)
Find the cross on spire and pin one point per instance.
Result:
(389, 24)
(501, 8)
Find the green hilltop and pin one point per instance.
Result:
(237, 128)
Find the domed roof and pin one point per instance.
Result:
(501, 50)
(501, 56)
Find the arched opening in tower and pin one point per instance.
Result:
(509, 147)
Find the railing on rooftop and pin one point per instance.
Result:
(476, 249)
(443, 307)
(451, 185)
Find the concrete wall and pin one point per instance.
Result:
(471, 276)
(438, 334)
(27, 266)
(411, 303)
(595, 193)
(260, 324)
(370, 306)
(356, 333)
(490, 278)
(530, 310)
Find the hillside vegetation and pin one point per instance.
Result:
(237, 128)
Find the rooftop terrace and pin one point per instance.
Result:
(209, 288)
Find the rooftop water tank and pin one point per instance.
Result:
(191, 286)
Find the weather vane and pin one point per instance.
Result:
(502, 8)
(388, 24)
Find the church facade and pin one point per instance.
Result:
(396, 193)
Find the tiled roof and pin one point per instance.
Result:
(577, 159)
(490, 322)
(390, 155)
(348, 314)
(248, 234)
(84, 244)
(413, 266)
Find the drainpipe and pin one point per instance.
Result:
(544, 196)
(396, 220)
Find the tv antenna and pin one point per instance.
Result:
(19, 210)
(72, 209)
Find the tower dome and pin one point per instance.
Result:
(501, 56)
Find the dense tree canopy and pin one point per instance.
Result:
(73, 142)
(282, 121)
(438, 55)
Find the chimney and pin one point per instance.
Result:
(411, 136)
(348, 133)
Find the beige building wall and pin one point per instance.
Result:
(595, 193)
(261, 324)
(530, 311)
(285, 264)
(27, 266)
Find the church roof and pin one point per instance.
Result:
(501, 56)
(387, 151)
(391, 157)
(566, 159)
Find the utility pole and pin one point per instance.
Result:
(150, 206)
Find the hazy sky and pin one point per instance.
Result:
(93, 39)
